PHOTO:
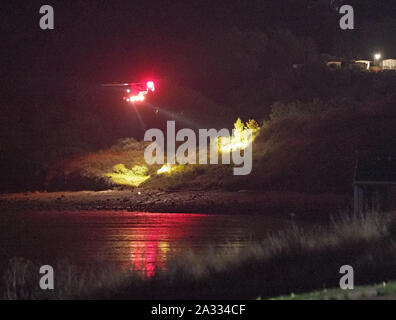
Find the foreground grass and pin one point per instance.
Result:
(385, 290)
(295, 261)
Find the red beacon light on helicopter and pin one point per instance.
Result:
(150, 85)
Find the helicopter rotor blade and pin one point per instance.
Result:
(116, 85)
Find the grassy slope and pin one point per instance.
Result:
(383, 291)
(314, 154)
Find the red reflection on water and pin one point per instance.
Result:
(148, 257)
(153, 246)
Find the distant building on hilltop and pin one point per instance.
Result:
(334, 64)
(331, 61)
(375, 186)
(388, 64)
(364, 64)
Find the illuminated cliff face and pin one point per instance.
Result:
(243, 135)
(169, 169)
(241, 138)
(130, 177)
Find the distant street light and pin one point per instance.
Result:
(377, 57)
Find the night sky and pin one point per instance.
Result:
(100, 41)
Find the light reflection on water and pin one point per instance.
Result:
(142, 241)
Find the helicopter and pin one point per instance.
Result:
(135, 91)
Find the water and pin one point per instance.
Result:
(141, 240)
